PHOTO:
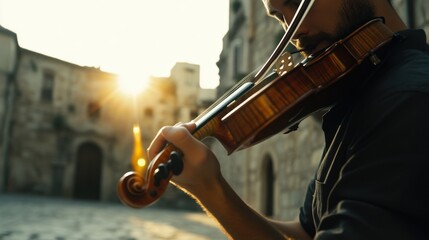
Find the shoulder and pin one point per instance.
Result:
(404, 73)
(398, 94)
(406, 67)
(408, 70)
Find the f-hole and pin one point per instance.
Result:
(268, 187)
(88, 172)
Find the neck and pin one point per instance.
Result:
(392, 19)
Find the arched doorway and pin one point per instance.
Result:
(268, 187)
(87, 181)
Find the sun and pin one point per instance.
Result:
(132, 83)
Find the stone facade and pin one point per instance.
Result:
(70, 132)
(67, 136)
(186, 77)
(415, 13)
(272, 176)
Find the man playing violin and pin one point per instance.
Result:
(372, 180)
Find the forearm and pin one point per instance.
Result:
(201, 177)
(293, 229)
(238, 220)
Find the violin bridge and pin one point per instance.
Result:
(284, 63)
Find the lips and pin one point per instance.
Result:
(302, 45)
(313, 42)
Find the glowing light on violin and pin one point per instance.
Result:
(136, 129)
(138, 159)
(141, 162)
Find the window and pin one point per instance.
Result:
(268, 187)
(148, 113)
(94, 110)
(190, 70)
(71, 108)
(236, 6)
(48, 86)
(237, 56)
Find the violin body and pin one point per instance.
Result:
(269, 107)
(280, 104)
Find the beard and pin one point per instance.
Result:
(353, 14)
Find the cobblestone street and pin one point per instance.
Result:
(41, 218)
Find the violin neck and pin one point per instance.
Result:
(203, 119)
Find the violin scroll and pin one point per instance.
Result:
(131, 190)
(135, 192)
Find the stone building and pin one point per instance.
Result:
(9, 54)
(157, 107)
(177, 98)
(273, 175)
(67, 134)
(186, 78)
(69, 130)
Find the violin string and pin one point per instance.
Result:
(258, 75)
(246, 79)
(301, 13)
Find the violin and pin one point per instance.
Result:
(255, 110)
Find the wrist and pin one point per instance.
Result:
(209, 191)
(217, 197)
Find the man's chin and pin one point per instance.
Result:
(308, 50)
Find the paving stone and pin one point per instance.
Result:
(41, 218)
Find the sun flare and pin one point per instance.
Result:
(132, 84)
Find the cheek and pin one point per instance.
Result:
(323, 17)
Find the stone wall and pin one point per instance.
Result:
(72, 129)
(415, 13)
(50, 129)
(294, 157)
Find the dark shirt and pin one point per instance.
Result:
(373, 179)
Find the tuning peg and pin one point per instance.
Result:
(157, 176)
(175, 163)
(161, 173)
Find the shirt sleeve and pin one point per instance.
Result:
(382, 191)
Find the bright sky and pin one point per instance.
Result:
(122, 36)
